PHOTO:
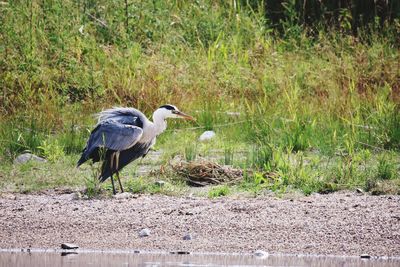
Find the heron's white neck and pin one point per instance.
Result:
(159, 122)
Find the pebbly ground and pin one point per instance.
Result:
(335, 224)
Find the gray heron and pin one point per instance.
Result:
(123, 135)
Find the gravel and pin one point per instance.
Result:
(124, 195)
(334, 224)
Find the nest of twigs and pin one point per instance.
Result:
(202, 173)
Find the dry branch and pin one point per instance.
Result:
(202, 173)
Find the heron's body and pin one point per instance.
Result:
(123, 135)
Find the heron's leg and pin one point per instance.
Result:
(117, 170)
(116, 160)
(112, 182)
(112, 161)
(111, 167)
(120, 184)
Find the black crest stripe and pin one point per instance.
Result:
(169, 107)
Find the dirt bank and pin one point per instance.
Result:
(340, 223)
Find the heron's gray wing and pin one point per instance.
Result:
(114, 135)
(123, 115)
(111, 135)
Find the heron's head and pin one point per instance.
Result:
(170, 111)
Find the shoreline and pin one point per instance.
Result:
(335, 225)
(196, 253)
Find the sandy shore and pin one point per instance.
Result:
(335, 224)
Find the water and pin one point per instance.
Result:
(54, 258)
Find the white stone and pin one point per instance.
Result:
(24, 158)
(233, 114)
(81, 30)
(206, 136)
(261, 254)
(144, 232)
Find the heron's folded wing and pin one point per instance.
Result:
(114, 135)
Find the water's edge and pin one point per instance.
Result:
(161, 252)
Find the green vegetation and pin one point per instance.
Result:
(218, 191)
(304, 107)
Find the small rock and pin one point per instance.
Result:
(365, 256)
(24, 158)
(81, 29)
(144, 232)
(180, 252)
(359, 190)
(18, 209)
(68, 246)
(261, 254)
(124, 195)
(160, 183)
(71, 197)
(207, 136)
(188, 237)
(233, 114)
(8, 196)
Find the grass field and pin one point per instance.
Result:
(315, 112)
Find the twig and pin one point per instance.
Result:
(215, 126)
(102, 23)
(126, 17)
(206, 172)
(368, 145)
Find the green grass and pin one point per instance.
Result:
(218, 191)
(315, 113)
(33, 176)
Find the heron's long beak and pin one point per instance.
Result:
(185, 116)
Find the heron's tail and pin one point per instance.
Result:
(82, 160)
(105, 171)
(125, 157)
(87, 154)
